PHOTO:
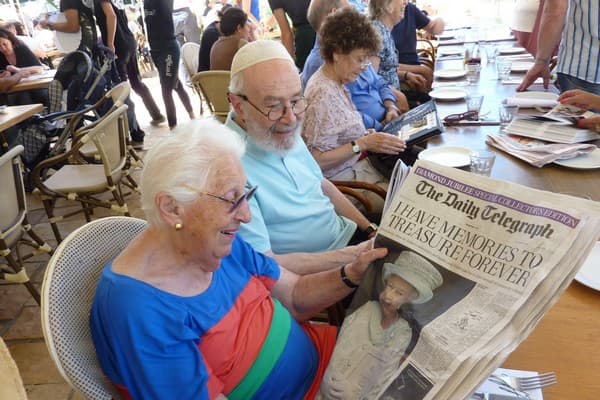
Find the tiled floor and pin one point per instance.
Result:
(20, 325)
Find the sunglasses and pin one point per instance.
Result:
(454, 119)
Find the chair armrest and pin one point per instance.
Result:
(362, 185)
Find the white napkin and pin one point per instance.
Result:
(530, 102)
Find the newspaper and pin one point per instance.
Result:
(505, 253)
(537, 152)
(559, 125)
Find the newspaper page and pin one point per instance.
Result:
(537, 152)
(492, 252)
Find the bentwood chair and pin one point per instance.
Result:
(189, 56)
(213, 87)
(15, 229)
(117, 96)
(76, 180)
(349, 188)
(67, 294)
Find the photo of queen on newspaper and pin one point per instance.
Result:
(375, 338)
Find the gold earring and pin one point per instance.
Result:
(178, 226)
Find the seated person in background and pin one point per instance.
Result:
(209, 36)
(297, 209)
(16, 28)
(15, 56)
(333, 129)
(373, 97)
(404, 34)
(236, 31)
(587, 101)
(189, 310)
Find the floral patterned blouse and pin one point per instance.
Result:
(388, 55)
(331, 120)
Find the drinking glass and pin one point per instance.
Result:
(506, 114)
(474, 102)
(473, 71)
(482, 162)
(503, 66)
(491, 52)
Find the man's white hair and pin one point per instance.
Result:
(187, 156)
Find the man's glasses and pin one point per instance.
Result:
(275, 113)
(235, 204)
(453, 119)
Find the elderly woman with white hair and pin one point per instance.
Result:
(375, 338)
(189, 310)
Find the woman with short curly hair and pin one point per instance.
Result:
(333, 129)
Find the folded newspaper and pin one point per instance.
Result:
(537, 152)
(559, 125)
(476, 263)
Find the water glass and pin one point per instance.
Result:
(474, 102)
(503, 66)
(491, 52)
(506, 114)
(473, 71)
(482, 162)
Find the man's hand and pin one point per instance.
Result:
(416, 81)
(356, 270)
(581, 99)
(538, 69)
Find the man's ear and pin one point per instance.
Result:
(170, 211)
(236, 103)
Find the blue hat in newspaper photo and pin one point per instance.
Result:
(418, 272)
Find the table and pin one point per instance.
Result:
(567, 340)
(13, 115)
(38, 81)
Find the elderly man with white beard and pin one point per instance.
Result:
(296, 208)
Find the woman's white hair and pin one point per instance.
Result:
(187, 156)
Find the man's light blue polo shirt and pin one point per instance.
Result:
(290, 213)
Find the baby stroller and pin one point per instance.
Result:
(82, 81)
(79, 82)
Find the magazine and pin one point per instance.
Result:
(492, 257)
(416, 125)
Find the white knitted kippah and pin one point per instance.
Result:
(257, 52)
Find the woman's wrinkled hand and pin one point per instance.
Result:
(379, 142)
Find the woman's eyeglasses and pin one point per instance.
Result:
(235, 204)
(454, 119)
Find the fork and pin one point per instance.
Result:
(522, 383)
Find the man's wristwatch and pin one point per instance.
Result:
(355, 147)
(371, 228)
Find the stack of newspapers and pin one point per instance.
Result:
(505, 253)
(542, 139)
